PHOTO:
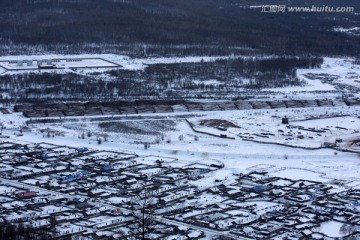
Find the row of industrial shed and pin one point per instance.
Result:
(163, 106)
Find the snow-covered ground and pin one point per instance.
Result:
(335, 70)
(93, 61)
(237, 155)
(351, 30)
(331, 229)
(335, 78)
(58, 63)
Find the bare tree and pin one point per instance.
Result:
(142, 209)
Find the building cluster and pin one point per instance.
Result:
(103, 194)
(52, 64)
(78, 191)
(143, 107)
(259, 206)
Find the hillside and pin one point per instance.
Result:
(171, 27)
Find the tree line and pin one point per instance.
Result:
(176, 80)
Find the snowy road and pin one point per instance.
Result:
(2, 70)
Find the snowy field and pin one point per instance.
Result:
(96, 62)
(68, 63)
(331, 229)
(334, 75)
(171, 136)
(333, 70)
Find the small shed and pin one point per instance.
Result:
(83, 205)
(82, 149)
(116, 212)
(28, 194)
(106, 168)
(285, 120)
